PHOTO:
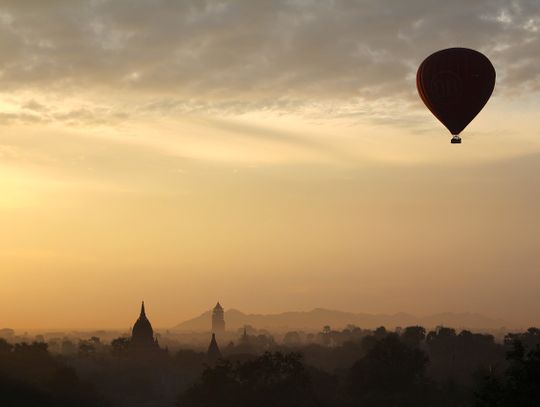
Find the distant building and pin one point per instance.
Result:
(245, 337)
(218, 319)
(142, 335)
(244, 343)
(213, 353)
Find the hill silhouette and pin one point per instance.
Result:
(315, 319)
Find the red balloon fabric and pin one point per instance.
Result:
(455, 84)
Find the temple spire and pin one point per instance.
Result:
(143, 314)
(213, 353)
(218, 319)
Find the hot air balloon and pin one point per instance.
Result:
(455, 84)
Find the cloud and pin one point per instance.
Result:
(34, 106)
(241, 55)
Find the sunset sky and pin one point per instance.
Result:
(273, 155)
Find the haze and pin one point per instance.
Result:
(273, 155)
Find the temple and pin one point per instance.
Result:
(142, 335)
(218, 319)
(213, 353)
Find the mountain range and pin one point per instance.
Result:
(315, 319)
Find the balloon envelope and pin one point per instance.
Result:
(455, 84)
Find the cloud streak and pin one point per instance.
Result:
(264, 53)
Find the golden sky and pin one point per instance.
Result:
(273, 155)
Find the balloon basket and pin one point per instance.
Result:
(456, 140)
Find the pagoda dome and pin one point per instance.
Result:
(142, 330)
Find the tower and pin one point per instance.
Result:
(213, 353)
(218, 319)
(142, 335)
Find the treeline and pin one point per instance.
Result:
(31, 376)
(409, 368)
(351, 367)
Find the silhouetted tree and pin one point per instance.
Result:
(120, 346)
(380, 332)
(391, 374)
(292, 338)
(190, 360)
(68, 347)
(273, 379)
(520, 384)
(413, 335)
(529, 339)
(31, 376)
(5, 346)
(389, 366)
(86, 349)
(457, 357)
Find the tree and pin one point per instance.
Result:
(389, 366)
(67, 347)
(413, 335)
(529, 339)
(456, 357)
(273, 379)
(120, 346)
(86, 349)
(292, 338)
(31, 376)
(380, 332)
(520, 384)
(5, 346)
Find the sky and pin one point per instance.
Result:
(272, 155)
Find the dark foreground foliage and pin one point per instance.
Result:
(31, 376)
(519, 386)
(272, 380)
(351, 368)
